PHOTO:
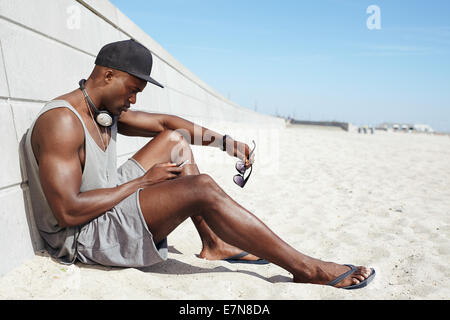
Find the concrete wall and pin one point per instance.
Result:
(46, 46)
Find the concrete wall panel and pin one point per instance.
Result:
(9, 160)
(127, 145)
(184, 105)
(64, 20)
(15, 241)
(154, 98)
(53, 69)
(24, 113)
(174, 79)
(158, 72)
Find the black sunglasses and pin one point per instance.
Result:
(240, 167)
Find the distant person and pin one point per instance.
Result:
(88, 210)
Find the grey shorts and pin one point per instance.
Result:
(120, 237)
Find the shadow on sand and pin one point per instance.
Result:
(175, 267)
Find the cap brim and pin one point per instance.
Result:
(148, 79)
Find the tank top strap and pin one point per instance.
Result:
(57, 103)
(88, 138)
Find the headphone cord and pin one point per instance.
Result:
(96, 126)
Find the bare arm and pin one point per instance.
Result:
(138, 123)
(145, 124)
(60, 172)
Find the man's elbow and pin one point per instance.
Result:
(169, 122)
(67, 221)
(65, 218)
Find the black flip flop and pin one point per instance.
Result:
(237, 259)
(360, 285)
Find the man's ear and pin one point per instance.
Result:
(108, 75)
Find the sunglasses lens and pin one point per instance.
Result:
(240, 167)
(239, 180)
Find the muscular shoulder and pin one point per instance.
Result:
(58, 129)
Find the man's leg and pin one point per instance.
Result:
(167, 204)
(169, 146)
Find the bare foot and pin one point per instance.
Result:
(222, 250)
(324, 272)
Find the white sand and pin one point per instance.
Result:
(380, 200)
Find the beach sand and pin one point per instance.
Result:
(379, 200)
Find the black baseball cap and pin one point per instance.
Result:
(128, 56)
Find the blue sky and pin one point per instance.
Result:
(315, 60)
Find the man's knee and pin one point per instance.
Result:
(207, 189)
(204, 181)
(174, 136)
(176, 142)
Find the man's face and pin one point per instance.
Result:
(121, 92)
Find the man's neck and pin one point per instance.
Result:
(94, 93)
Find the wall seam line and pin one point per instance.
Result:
(12, 186)
(45, 35)
(4, 68)
(23, 99)
(8, 100)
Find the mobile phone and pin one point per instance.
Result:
(183, 163)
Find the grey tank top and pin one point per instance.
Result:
(100, 171)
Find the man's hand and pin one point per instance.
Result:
(240, 150)
(161, 172)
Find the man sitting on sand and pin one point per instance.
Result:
(88, 210)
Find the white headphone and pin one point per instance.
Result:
(102, 117)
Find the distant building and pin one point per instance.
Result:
(343, 125)
(423, 128)
(404, 127)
